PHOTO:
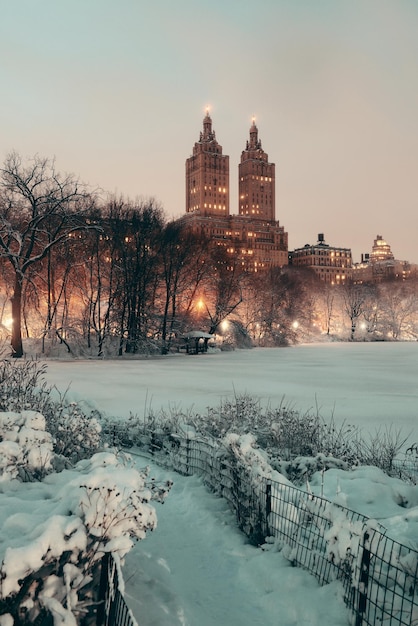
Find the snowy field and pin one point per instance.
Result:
(196, 569)
(368, 384)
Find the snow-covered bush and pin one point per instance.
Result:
(55, 532)
(283, 432)
(301, 469)
(381, 448)
(242, 476)
(75, 434)
(25, 448)
(23, 386)
(149, 432)
(249, 457)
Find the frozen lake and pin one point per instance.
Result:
(368, 384)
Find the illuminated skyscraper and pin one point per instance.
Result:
(207, 175)
(253, 236)
(256, 180)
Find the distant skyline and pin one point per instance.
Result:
(117, 92)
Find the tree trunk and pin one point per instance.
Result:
(17, 345)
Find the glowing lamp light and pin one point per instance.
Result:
(225, 325)
(8, 323)
(295, 324)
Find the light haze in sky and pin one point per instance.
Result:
(117, 91)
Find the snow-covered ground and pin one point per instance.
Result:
(196, 568)
(368, 384)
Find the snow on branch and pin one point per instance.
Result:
(55, 532)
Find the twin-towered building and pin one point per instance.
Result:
(253, 236)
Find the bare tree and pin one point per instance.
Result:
(354, 297)
(39, 209)
(224, 287)
(194, 280)
(372, 310)
(101, 285)
(136, 229)
(281, 305)
(327, 304)
(399, 302)
(184, 266)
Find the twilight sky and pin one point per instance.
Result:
(116, 92)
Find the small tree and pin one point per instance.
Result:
(39, 209)
(354, 297)
(399, 303)
(224, 287)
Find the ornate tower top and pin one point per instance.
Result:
(381, 250)
(253, 147)
(254, 143)
(207, 138)
(208, 134)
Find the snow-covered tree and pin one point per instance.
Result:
(39, 209)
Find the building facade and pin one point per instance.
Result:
(207, 175)
(381, 251)
(257, 179)
(330, 263)
(253, 236)
(380, 265)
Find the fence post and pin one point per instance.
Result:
(100, 619)
(268, 506)
(364, 580)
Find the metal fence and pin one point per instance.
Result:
(378, 574)
(113, 610)
(406, 468)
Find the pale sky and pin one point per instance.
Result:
(116, 91)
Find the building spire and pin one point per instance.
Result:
(254, 143)
(208, 134)
(207, 175)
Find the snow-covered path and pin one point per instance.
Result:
(197, 569)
